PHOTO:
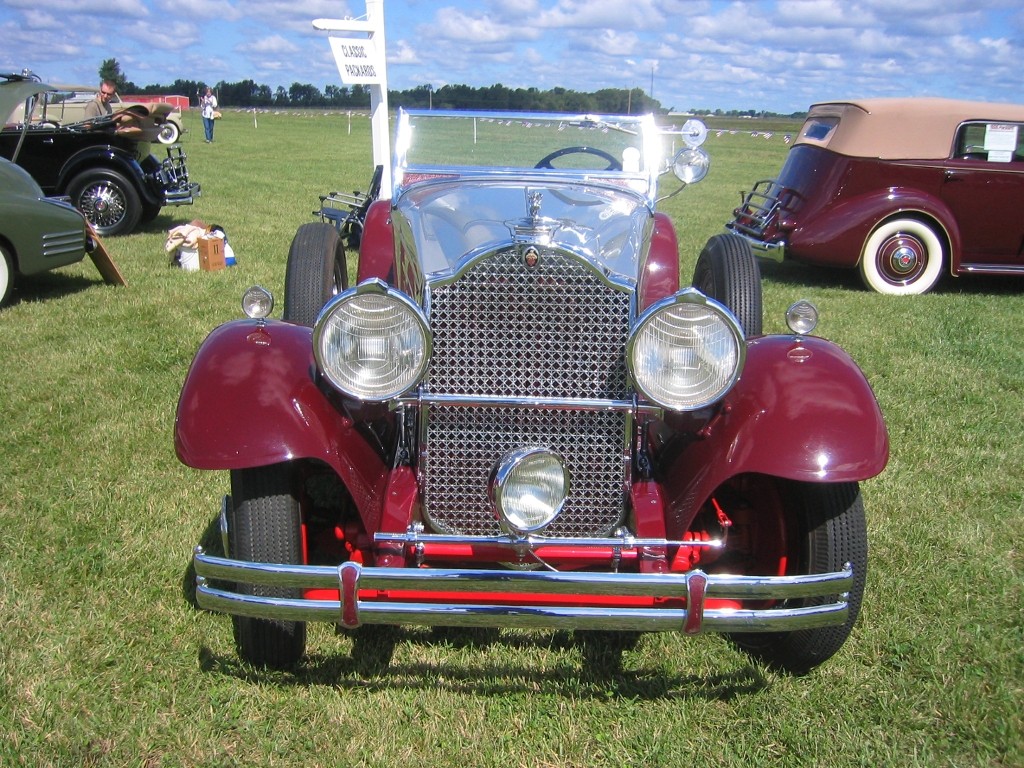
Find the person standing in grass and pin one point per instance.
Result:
(209, 105)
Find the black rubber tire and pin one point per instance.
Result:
(830, 531)
(107, 199)
(265, 527)
(149, 212)
(727, 271)
(316, 271)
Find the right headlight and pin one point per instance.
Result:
(372, 342)
(686, 351)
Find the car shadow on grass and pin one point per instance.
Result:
(581, 668)
(48, 286)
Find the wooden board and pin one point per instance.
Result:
(106, 266)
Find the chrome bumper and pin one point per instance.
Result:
(354, 609)
(771, 251)
(182, 196)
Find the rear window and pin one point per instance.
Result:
(819, 128)
(990, 142)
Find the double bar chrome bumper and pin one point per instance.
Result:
(353, 609)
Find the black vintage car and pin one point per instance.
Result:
(104, 165)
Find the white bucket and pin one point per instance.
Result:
(189, 259)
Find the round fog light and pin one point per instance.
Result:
(257, 302)
(528, 489)
(802, 317)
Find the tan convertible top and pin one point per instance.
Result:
(894, 129)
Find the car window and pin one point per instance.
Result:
(819, 128)
(990, 142)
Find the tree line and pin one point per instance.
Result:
(249, 94)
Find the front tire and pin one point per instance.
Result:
(108, 200)
(265, 527)
(903, 257)
(727, 271)
(823, 527)
(316, 272)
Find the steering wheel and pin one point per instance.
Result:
(613, 164)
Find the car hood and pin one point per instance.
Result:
(446, 223)
(14, 93)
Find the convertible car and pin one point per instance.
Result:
(103, 165)
(68, 103)
(904, 190)
(519, 417)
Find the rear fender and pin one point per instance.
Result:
(250, 399)
(802, 410)
(836, 236)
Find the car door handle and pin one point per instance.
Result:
(47, 141)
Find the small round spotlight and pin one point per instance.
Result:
(257, 302)
(802, 317)
(528, 489)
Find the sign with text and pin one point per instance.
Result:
(358, 60)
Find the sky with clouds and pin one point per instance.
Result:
(775, 55)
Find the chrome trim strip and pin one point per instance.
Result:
(501, 401)
(351, 577)
(534, 541)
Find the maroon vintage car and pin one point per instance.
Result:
(519, 418)
(904, 189)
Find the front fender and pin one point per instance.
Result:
(836, 235)
(802, 410)
(250, 399)
(660, 276)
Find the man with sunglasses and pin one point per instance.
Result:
(100, 106)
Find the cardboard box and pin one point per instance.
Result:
(211, 253)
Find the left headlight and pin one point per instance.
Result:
(372, 342)
(686, 351)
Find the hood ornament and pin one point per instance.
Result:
(533, 201)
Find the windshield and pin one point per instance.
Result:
(621, 150)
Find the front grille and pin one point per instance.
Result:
(556, 330)
(464, 444)
(553, 330)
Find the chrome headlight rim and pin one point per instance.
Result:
(401, 303)
(691, 298)
(506, 489)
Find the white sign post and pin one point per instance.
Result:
(360, 59)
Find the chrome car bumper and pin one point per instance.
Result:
(771, 251)
(182, 196)
(354, 608)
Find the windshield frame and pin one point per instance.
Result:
(417, 159)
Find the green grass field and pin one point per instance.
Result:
(105, 662)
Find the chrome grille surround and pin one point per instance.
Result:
(537, 356)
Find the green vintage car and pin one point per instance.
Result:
(37, 233)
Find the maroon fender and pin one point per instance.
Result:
(836, 237)
(801, 411)
(377, 246)
(660, 277)
(250, 400)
